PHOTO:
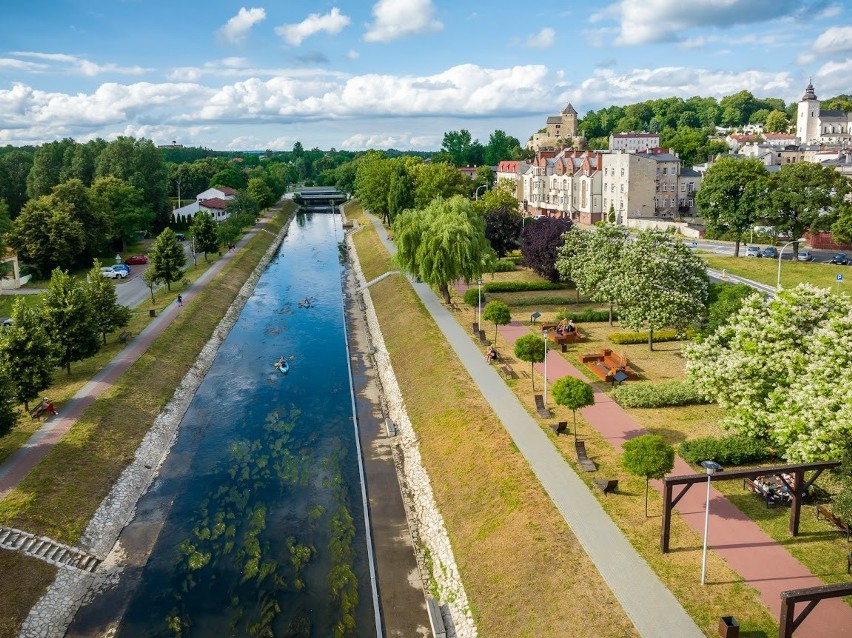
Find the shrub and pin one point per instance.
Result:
(521, 286)
(661, 395)
(727, 450)
(668, 334)
(471, 296)
(538, 301)
(505, 265)
(841, 504)
(588, 315)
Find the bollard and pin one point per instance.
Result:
(152, 312)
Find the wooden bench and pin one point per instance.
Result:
(823, 512)
(562, 339)
(475, 327)
(606, 485)
(849, 563)
(507, 371)
(606, 364)
(124, 337)
(582, 458)
(560, 428)
(483, 339)
(543, 412)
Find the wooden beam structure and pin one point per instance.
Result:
(789, 622)
(797, 490)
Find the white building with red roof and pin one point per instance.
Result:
(213, 201)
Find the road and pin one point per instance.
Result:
(726, 248)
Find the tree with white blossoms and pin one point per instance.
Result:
(659, 283)
(591, 259)
(780, 371)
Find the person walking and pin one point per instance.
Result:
(180, 300)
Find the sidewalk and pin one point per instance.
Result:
(649, 604)
(19, 464)
(763, 563)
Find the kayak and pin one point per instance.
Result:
(282, 368)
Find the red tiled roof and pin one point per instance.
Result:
(214, 202)
(227, 190)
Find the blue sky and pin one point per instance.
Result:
(355, 74)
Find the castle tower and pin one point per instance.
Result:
(569, 122)
(807, 117)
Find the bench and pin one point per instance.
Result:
(507, 371)
(124, 337)
(482, 339)
(582, 458)
(606, 363)
(849, 563)
(752, 486)
(543, 412)
(560, 428)
(823, 512)
(606, 485)
(475, 327)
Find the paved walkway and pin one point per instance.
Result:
(19, 464)
(753, 554)
(649, 604)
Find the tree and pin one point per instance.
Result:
(47, 234)
(502, 228)
(167, 258)
(14, 168)
(500, 147)
(442, 242)
(74, 196)
(574, 394)
(661, 283)
(732, 196)
(498, 312)
(123, 207)
(462, 149)
(372, 183)
(780, 372)
(260, 192)
(723, 301)
(776, 122)
(108, 313)
(152, 280)
(400, 192)
(204, 234)
(437, 179)
(541, 240)
(650, 456)
(69, 319)
(530, 348)
(8, 413)
(27, 354)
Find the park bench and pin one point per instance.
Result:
(543, 412)
(849, 563)
(125, 336)
(583, 459)
(751, 486)
(562, 339)
(606, 485)
(482, 338)
(606, 364)
(508, 372)
(475, 327)
(560, 428)
(823, 512)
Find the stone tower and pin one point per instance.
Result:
(807, 117)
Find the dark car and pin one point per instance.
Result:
(136, 259)
(840, 259)
(180, 236)
(770, 251)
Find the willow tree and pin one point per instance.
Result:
(442, 243)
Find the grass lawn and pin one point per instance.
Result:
(501, 523)
(59, 496)
(793, 273)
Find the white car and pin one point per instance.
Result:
(108, 272)
(753, 251)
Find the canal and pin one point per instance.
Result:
(256, 521)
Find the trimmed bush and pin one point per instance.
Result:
(727, 450)
(668, 334)
(471, 296)
(657, 395)
(521, 286)
(589, 315)
(505, 265)
(538, 301)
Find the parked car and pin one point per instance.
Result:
(108, 272)
(6, 322)
(770, 251)
(122, 268)
(805, 255)
(840, 259)
(752, 251)
(136, 259)
(180, 236)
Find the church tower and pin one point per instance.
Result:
(807, 117)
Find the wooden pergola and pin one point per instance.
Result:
(797, 489)
(789, 622)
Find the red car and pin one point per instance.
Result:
(136, 259)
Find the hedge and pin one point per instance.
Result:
(471, 296)
(538, 301)
(668, 334)
(505, 265)
(521, 286)
(727, 450)
(661, 395)
(588, 315)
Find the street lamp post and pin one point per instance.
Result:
(781, 252)
(711, 467)
(544, 335)
(476, 193)
(479, 305)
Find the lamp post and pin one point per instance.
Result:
(781, 252)
(476, 193)
(711, 467)
(544, 335)
(479, 305)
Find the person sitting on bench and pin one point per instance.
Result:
(490, 354)
(570, 327)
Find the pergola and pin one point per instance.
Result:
(789, 622)
(797, 489)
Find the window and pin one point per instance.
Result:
(622, 172)
(683, 188)
(689, 203)
(674, 202)
(665, 171)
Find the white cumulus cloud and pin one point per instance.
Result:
(833, 40)
(544, 39)
(395, 19)
(332, 22)
(237, 28)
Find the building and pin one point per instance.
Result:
(821, 126)
(512, 171)
(639, 142)
(560, 130)
(213, 201)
